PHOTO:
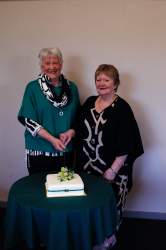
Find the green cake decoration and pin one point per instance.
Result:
(65, 174)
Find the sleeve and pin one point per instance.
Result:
(128, 136)
(32, 126)
(28, 112)
(83, 114)
(77, 105)
(28, 106)
(84, 108)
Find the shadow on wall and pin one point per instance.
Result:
(12, 156)
(126, 91)
(12, 165)
(148, 138)
(76, 70)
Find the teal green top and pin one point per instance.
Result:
(37, 107)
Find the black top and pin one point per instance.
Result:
(106, 135)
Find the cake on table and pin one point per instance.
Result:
(65, 183)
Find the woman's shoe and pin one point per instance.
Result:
(108, 244)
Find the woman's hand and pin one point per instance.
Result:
(67, 136)
(109, 174)
(58, 144)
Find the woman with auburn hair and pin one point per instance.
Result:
(108, 140)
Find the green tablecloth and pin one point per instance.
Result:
(70, 223)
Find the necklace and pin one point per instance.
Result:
(101, 104)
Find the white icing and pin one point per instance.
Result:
(57, 188)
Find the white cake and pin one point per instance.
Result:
(57, 188)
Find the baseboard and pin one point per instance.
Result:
(127, 214)
(145, 215)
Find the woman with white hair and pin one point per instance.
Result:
(48, 112)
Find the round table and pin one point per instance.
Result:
(68, 223)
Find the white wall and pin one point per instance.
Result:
(127, 33)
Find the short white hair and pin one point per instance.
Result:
(50, 52)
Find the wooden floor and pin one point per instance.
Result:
(134, 234)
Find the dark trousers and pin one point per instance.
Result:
(49, 164)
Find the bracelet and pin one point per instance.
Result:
(115, 173)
